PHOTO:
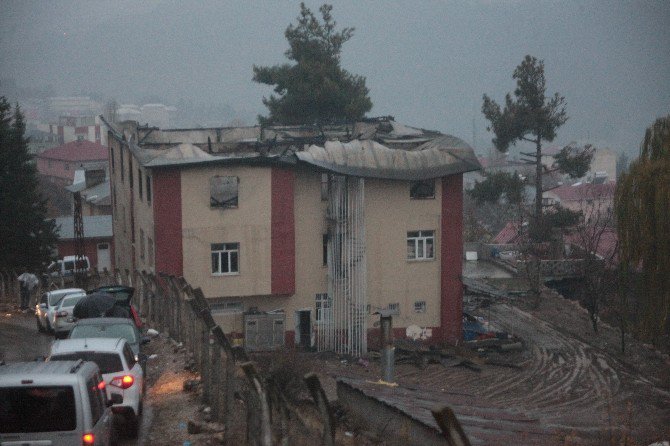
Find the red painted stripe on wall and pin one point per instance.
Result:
(168, 228)
(282, 224)
(451, 311)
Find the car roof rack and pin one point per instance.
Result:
(77, 366)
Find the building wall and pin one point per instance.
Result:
(120, 192)
(248, 225)
(64, 169)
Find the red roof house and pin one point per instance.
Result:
(60, 162)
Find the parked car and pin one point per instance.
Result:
(54, 403)
(63, 321)
(111, 327)
(120, 370)
(46, 306)
(123, 295)
(67, 267)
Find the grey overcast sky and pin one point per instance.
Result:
(427, 62)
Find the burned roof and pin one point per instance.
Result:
(373, 148)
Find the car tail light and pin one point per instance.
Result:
(123, 382)
(101, 385)
(61, 314)
(87, 439)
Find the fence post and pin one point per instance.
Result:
(279, 402)
(254, 379)
(216, 381)
(319, 396)
(229, 396)
(450, 426)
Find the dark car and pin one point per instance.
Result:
(123, 295)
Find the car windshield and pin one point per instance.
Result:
(71, 300)
(125, 331)
(37, 409)
(108, 362)
(55, 298)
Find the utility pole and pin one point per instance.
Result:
(79, 270)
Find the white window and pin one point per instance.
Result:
(323, 307)
(223, 192)
(420, 306)
(420, 245)
(394, 309)
(226, 307)
(225, 258)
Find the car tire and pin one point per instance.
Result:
(40, 328)
(132, 425)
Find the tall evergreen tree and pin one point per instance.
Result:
(642, 203)
(532, 117)
(315, 89)
(27, 239)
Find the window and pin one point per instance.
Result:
(420, 306)
(420, 245)
(325, 249)
(226, 307)
(148, 189)
(130, 171)
(324, 187)
(150, 249)
(223, 192)
(142, 246)
(37, 409)
(421, 190)
(394, 309)
(225, 258)
(129, 356)
(323, 307)
(95, 400)
(139, 181)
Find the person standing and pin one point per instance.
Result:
(28, 282)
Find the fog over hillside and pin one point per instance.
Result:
(427, 63)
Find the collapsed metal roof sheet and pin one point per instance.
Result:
(441, 156)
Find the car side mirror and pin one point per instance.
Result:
(114, 399)
(145, 340)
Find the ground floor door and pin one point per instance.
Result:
(104, 257)
(305, 328)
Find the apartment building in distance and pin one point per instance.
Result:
(325, 226)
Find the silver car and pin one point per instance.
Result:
(63, 321)
(54, 403)
(47, 305)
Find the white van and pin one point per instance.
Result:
(68, 266)
(54, 403)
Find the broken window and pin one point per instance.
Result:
(223, 192)
(225, 258)
(420, 245)
(421, 190)
(420, 306)
(323, 307)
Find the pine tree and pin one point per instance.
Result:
(642, 203)
(314, 90)
(27, 238)
(532, 117)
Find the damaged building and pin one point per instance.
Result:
(319, 228)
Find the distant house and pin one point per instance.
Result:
(326, 226)
(60, 163)
(98, 240)
(589, 198)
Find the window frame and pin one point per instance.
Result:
(420, 241)
(232, 203)
(322, 303)
(229, 248)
